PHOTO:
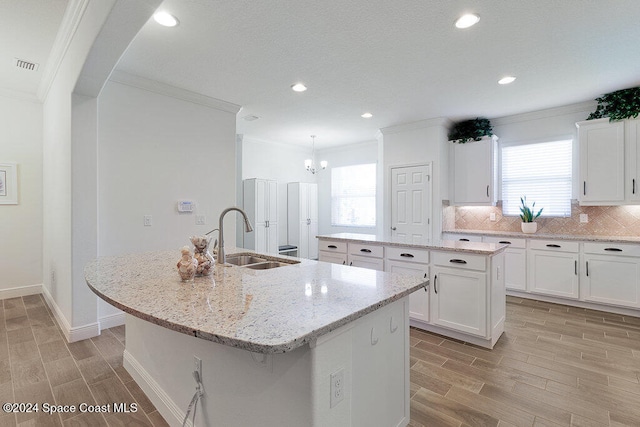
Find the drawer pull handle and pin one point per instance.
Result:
(367, 251)
(575, 268)
(587, 268)
(634, 186)
(435, 283)
(458, 261)
(505, 242)
(584, 188)
(613, 249)
(332, 247)
(487, 191)
(406, 255)
(553, 246)
(463, 240)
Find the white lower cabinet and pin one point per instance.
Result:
(419, 300)
(459, 296)
(611, 274)
(553, 268)
(365, 256)
(515, 261)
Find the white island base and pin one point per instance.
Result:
(286, 389)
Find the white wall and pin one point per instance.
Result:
(281, 162)
(348, 155)
(21, 224)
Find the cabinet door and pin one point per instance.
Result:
(312, 231)
(632, 135)
(419, 300)
(262, 199)
(332, 257)
(261, 235)
(473, 173)
(366, 262)
(515, 269)
(312, 202)
(601, 146)
(459, 300)
(303, 242)
(272, 202)
(272, 238)
(553, 273)
(611, 280)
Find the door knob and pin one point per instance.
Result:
(393, 228)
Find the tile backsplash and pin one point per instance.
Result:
(603, 220)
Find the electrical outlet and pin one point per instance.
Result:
(197, 366)
(148, 221)
(492, 216)
(337, 387)
(201, 220)
(584, 218)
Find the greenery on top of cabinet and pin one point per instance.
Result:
(470, 130)
(618, 105)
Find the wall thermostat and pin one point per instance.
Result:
(186, 206)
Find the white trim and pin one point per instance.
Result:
(111, 320)
(70, 22)
(634, 312)
(160, 399)
(20, 291)
(79, 333)
(172, 91)
(543, 114)
(421, 124)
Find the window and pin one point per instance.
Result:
(541, 172)
(353, 196)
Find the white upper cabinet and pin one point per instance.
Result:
(602, 170)
(632, 134)
(473, 172)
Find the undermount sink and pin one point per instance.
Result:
(244, 259)
(266, 265)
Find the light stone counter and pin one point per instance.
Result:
(439, 245)
(263, 311)
(575, 237)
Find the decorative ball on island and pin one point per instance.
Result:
(187, 265)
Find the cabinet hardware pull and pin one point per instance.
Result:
(613, 249)
(368, 251)
(584, 188)
(505, 242)
(458, 261)
(435, 283)
(344, 262)
(487, 191)
(634, 186)
(351, 263)
(587, 268)
(553, 246)
(463, 240)
(575, 268)
(393, 229)
(425, 275)
(406, 255)
(332, 247)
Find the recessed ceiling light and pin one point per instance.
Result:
(466, 21)
(506, 80)
(298, 87)
(166, 19)
(366, 115)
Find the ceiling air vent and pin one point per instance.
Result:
(20, 63)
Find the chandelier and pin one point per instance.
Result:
(309, 164)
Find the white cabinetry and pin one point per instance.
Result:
(405, 260)
(602, 170)
(632, 139)
(461, 237)
(332, 251)
(553, 268)
(366, 256)
(302, 219)
(515, 262)
(473, 179)
(611, 274)
(260, 201)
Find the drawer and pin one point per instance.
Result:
(461, 237)
(554, 245)
(332, 246)
(459, 260)
(621, 249)
(513, 243)
(407, 254)
(361, 249)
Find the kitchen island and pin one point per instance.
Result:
(305, 344)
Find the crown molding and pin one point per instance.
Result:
(546, 113)
(70, 22)
(420, 124)
(172, 91)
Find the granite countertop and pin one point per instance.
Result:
(442, 245)
(576, 237)
(264, 311)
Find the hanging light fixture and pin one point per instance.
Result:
(309, 164)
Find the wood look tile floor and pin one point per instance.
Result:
(554, 366)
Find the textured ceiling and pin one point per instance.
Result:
(28, 29)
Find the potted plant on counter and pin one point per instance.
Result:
(527, 215)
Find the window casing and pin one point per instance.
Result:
(353, 196)
(541, 171)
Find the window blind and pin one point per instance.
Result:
(353, 195)
(541, 172)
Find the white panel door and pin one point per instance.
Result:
(411, 204)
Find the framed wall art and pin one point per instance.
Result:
(8, 184)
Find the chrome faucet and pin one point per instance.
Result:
(247, 226)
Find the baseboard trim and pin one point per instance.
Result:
(623, 311)
(111, 320)
(21, 291)
(171, 412)
(71, 334)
